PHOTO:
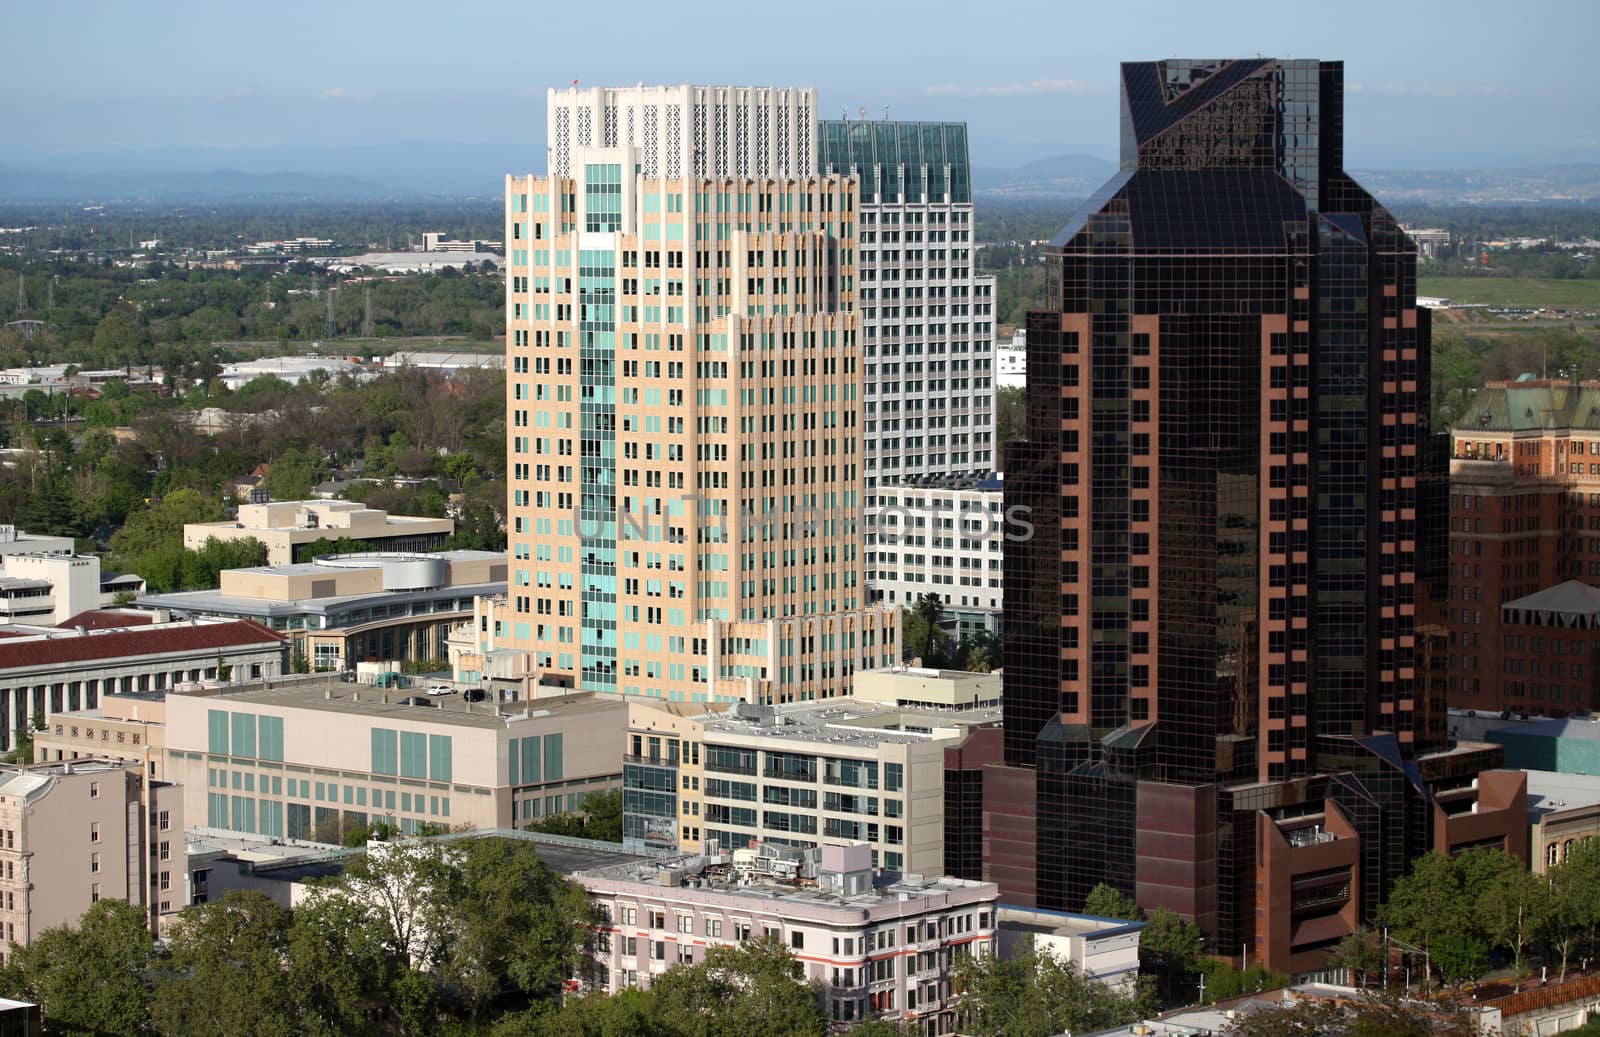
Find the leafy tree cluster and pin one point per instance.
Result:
(754, 988)
(1170, 948)
(422, 939)
(1459, 909)
(77, 477)
(1034, 994)
(151, 544)
(601, 818)
(923, 637)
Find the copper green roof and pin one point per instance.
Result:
(1532, 407)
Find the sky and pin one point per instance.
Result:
(373, 89)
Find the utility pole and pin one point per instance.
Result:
(22, 295)
(366, 321)
(50, 294)
(330, 325)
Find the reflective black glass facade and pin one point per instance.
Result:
(1227, 425)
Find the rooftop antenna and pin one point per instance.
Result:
(862, 112)
(885, 113)
(844, 113)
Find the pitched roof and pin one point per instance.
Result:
(1573, 597)
(18, 653)
(107, 619)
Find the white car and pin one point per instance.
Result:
(441, 689)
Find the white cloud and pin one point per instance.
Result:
(1035, 87)
(337, 93)
(1430, 89)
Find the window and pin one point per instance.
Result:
(686, 923)
(94, 790)
(94, 864)
(165, 821)
(413, 754)
(94, 831)
(797, 940)
(165, 852)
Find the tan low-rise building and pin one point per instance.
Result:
(130, 728)
(289, 528)
(831, 773)
(78, 831)
(313, 757)
(46, 671)
(339, 610)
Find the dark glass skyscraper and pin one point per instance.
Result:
(1210, 640)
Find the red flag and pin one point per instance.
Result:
(574, 82)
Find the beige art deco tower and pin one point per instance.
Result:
(684, 426)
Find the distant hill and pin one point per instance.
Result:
(1060, 176)
(36, 185)
(1078, 176)
(1545, 185)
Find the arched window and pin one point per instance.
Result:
(1550, 855)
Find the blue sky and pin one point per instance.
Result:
(292, 85)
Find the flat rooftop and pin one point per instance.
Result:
(332, 695)
(1062, 923)
(300, 863)
(1551, 792)
(721, 878)
(378, 558)
(848, 721)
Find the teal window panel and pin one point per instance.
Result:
(413, 754)
(385, 751)
(441, 753)
(554, 765)
(217, 732)
(270, 733)
(244, 734)
(532, 772)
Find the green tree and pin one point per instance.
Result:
(756, 987)
(1169, 950)
(227, 975)
(1034, 994)
(1515, 910)
(349, 982)
(22, 751)
(119, 341)
(1440, 894)
(1361, 953)
(519, 927)
(294, 474)
(1461, 957)
(600, 819)
(629, 1013)
(1223, 981)
(92, 978)
(1575, 899)
(923, 635)
(1107, 901)
(159, 528)
(1010, 415)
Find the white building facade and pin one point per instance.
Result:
(945, 539)
(878, 952)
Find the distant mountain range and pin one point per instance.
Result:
(1075, 177)
(39, 186)
(418, 170)
(1063, 176)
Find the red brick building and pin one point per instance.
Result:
(1524, 517)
